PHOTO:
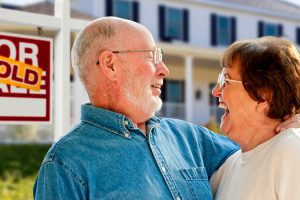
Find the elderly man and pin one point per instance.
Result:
(120, 150)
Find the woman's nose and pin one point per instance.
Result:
(216, 91)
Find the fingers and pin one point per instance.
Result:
(290, 125)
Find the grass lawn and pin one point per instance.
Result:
(19, 165)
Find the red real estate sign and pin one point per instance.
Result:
(25, 78)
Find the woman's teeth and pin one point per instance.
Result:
(223, 106)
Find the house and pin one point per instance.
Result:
(192, 33)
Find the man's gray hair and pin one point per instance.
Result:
(94, 37)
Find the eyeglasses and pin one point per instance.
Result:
(157, 54)
(222, 80)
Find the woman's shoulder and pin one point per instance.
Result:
(288, 142)
(289, 136)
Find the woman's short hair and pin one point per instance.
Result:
(270, 71)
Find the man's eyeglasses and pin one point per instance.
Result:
(157, 54)
(222, 80)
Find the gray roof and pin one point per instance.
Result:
(279, 6)
(48, 9)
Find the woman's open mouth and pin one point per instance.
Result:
(225, 108)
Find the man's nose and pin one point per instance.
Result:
(162, 70)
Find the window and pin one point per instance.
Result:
(173, 91)
(123, 9)
(223, 30)
(173, 97)
(214, 104)
(213, 101)
(173, 24)
(270, 29)
(223, 33)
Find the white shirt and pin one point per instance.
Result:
(269, 171)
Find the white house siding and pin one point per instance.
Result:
(205, 58)
(200, 27)
(149, 16)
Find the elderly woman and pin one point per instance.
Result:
(258, 87)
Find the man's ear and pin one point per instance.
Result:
(107, 64)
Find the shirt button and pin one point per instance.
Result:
(163, 169)
(126, 135)
(178, 198)
(125, 123)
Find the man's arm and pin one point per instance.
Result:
(216, 149)
(58, 181)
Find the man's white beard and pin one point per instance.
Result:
(142, 98)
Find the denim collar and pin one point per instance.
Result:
(111, 121)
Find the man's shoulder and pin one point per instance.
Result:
(178, 122)
(69, 145)
(176, 125)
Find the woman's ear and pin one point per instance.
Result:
(263, 106)
(107, 64)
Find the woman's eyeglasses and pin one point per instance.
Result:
(222, 80)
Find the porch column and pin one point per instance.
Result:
(62, 70)
(189, 88)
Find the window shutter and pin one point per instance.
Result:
(162, 23)
(183, 91)
(233, 29)
(298, 35)
(185, 25)
(213, 29)
(109, 7)
(280, 30)
(260, 29)
(135, 10)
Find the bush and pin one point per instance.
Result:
(19, 165)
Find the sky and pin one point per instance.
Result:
(294, 1)
(24, 2)
(20, 2)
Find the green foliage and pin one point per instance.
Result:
(15, 187)
(213, 125)
(25, 158)
(19, 165)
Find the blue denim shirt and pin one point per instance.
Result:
(107, 157)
